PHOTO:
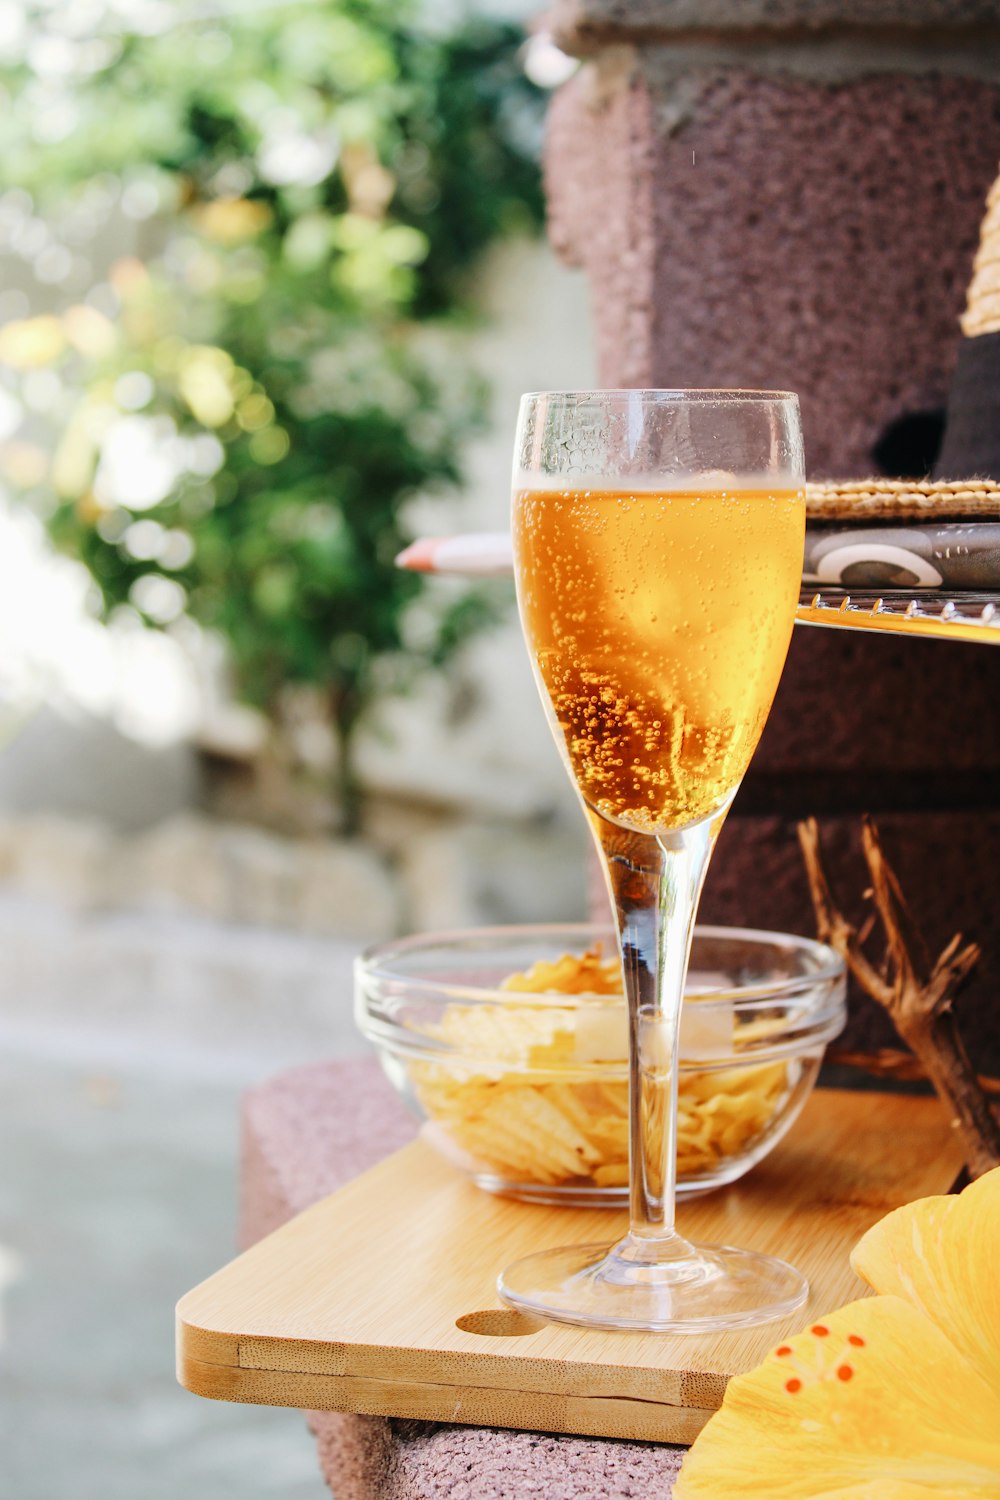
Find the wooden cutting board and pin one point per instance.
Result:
(381, 1298)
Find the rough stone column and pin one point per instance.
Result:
(787, 193)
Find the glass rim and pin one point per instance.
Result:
(729, 395)
(376, 964)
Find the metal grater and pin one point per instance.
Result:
(936, 613)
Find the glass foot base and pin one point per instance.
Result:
(716, 1288)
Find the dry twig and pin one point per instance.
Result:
(896, 1063)
(917, 993)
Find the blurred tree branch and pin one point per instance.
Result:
(247, 401)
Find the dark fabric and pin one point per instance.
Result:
(971, 447)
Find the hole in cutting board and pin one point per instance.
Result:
(499, 1323)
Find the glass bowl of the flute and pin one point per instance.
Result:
(510, 1045)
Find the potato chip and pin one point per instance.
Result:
(613, 1175)
(590, 974)
(511, 1100)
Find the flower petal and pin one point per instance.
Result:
(940, 1254)
(878, 1489)
(871, 1397)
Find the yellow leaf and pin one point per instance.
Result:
(227, 221)
(89, 330)
(29, 343)
(205, 382)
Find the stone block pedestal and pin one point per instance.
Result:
(787, 194)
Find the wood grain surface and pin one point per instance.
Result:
(355, 1304)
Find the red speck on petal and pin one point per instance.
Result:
(856, 1340)
(844, 1372)
(820, 1330)
(793, 1385)
(783, 1349)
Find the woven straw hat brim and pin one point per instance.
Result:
(890, 500)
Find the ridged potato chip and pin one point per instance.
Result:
(509, 1100)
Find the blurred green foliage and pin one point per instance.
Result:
(249, 395)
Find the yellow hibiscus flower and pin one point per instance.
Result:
(896, 1397)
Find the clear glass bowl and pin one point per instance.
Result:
(527, 1092)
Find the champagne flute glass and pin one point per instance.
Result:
(658, 539)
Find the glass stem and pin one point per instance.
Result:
(655, 882)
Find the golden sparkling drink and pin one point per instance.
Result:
(659, 621)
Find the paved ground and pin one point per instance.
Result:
(118, 1149)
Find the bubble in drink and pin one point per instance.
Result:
(659, 622)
